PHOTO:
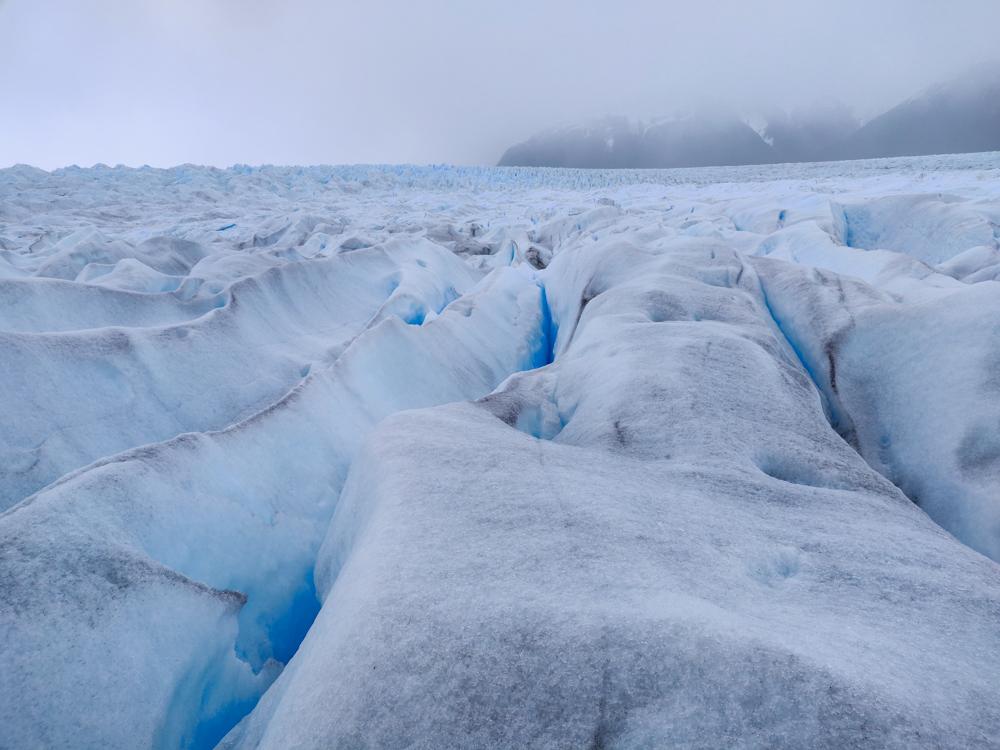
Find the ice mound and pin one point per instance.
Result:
(97, 391)
(694, 555)
(442, 457)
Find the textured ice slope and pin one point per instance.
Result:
(122, 381)
(739, 412)
(694, 560)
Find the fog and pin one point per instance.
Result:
(306, 82)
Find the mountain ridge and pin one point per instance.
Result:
(960, 115)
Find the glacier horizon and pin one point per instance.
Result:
(439, 456)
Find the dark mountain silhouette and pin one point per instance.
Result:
(613, 143)
(603, 144)
(807, 134)
(704, 142)
(959, 116)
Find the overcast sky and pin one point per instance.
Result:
(163, 82)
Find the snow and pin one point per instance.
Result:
(398, 456)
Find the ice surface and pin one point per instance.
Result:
(94, 392)
(243, 509)
(730, 476)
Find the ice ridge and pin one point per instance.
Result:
(392, 456)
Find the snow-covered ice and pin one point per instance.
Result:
(686, 458)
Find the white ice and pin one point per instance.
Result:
(729, 477)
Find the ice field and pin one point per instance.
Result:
(396, 457)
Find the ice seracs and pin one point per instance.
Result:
(570, 458)
(695, 554)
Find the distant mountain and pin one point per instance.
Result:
(807, 134)
(602, 144)
(958, 116)
(613, 143)
(704, 142)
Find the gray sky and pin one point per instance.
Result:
(310, 81)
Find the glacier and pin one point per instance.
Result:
(399, 456)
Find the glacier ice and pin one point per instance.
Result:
(397, 456)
